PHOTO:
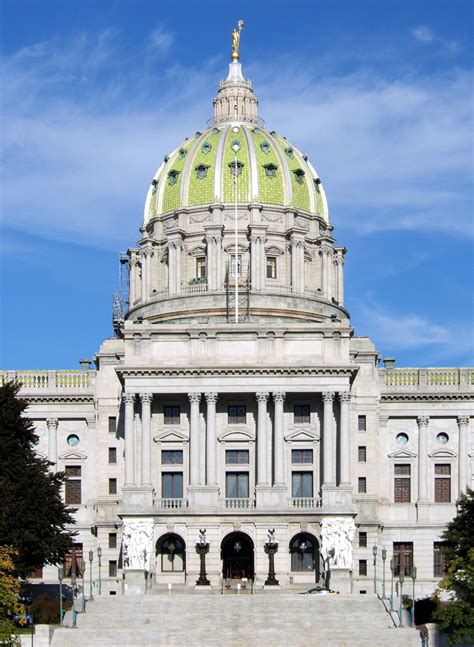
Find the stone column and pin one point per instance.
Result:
(144, 274)
(133, 279)
(279, 399)
(423, 422)
(52, 424)
(339, 263)
(148, 272)
(262, 442)
(326, 267)
(257, 255)
(146, 399)
(211, 440)
(345, 398)
(194, 399)
(129, 400)
(463, 466)
(329, 459)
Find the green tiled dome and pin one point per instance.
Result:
(270, 171)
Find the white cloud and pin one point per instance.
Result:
(423, 34)
(160, 40)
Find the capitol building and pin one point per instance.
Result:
(236, 429)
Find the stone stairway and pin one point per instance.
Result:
(265, 619)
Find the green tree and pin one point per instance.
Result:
(9, 595)
(33, 517)
(456, 617)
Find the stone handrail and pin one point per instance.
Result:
(44, 379)
(427, 378)
(305, 502)
(237, 503)
(171, 504)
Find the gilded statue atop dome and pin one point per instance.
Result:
(236, 40)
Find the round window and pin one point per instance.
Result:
(442, 438)
(73, 440)
(402, 439)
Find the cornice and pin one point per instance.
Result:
(63, 398)
(241, 371)
(425, 397)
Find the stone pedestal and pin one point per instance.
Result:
(135, 581)
(423, 510)
(340, 579)
(264, 496)
(333, 496)
(137, 497)
(204, 497)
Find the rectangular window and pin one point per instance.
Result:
(112, 424)
(201, 267)
(73, 561)
(112, 455)
(237, 485)
(362, 485)
(301, 456)
(439, 559)
(362, 539)
(112, 486)
(172, 485)
(302, 485)
(112, 540)
(237, 456)
(72, 485)
(172, 415)
(301, 414)
(271, 267)
(362, 454)
(112, 568)
(172, 457)
(402, 484)
(362, 423)
(442, 483)
(362, 567)
(232, 266)
(402, 557)
(237, 414)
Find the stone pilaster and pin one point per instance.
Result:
(129, 400)
(194, 399)
(146, 399)
(463, 467)
(423, 422)
(345, 446)
(279, 399)
(329, 457)
(262, 442)
(52, 424)
(211, 439)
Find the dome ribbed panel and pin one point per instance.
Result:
(300, 197)
(243, 181)
(270, 188)
(201, 190)
(254, 179)
(192, 148)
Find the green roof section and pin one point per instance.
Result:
(270, 181)
(243, 180)
(202, 171)
(299, 182)
(171, 193)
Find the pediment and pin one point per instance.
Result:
(198, 250)
(302, 435)
(230, 249)
(171, 436)
(402, 453)
(236, 435)
(73, 456)
(273, 250)
(442, 453)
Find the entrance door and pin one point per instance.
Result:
(237, 556)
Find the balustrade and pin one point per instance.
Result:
(239, 503)
(171, 504)
(305, 502)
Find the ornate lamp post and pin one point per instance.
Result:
(74, 591)
(202, 548)
(374, 552)
(60, 578)
(91, 559)
(401, 579)
(391, 584)
(99, 555)
(413, 577)
(271, 547)
(83, 570)
(384, 558)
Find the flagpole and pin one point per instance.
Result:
(236, 265)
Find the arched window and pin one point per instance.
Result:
(173, 553)
(304, 553)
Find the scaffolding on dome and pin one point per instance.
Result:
(121, 297)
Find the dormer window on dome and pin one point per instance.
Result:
(289, 152)
(265, 147)
(201, 171)
(299, 175)
(182, 153)
(206, 148)
(270, 169)
(172, 177)
(236, 167)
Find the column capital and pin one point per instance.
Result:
(128, 398)
(423, 421)
(328, 396)
(279, 396)
(52, 423)
(146, 398)
(463, 421)
(194, 397)
(344, 396)
(262, 396)
(211, 398)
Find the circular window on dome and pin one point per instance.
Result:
(402, 439)
(442, 438)
(235, 129)
(289, 152)
(73, 440)
(215, 131)
(206, 148)
(235, 145)
(265, 147)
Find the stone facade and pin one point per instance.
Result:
(241, 402)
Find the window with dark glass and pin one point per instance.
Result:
(173, 553)
(201, 267)
(237, 456)
(112, 568)
(237, 485)
(112, 540)
(112, 455)
(362, 567)
(172, 457)
(232, 266)
(237, 414)
(402, 557)
(73, 561)
(271, 267)
(172, 485)
(302, 551)
(172, 415)
(362, 454)
(362, 485)
(402, 484)
(362, 539)
(72, 485)
(439, 559)
(112, 486)
(112, 424)
(442, 483)
(362, 423)
(302, 485)
(301, 414)
(301, 456)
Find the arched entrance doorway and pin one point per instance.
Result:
(171, 554)
(304, 551)
(237, 554)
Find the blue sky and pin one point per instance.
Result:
(377, 93)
